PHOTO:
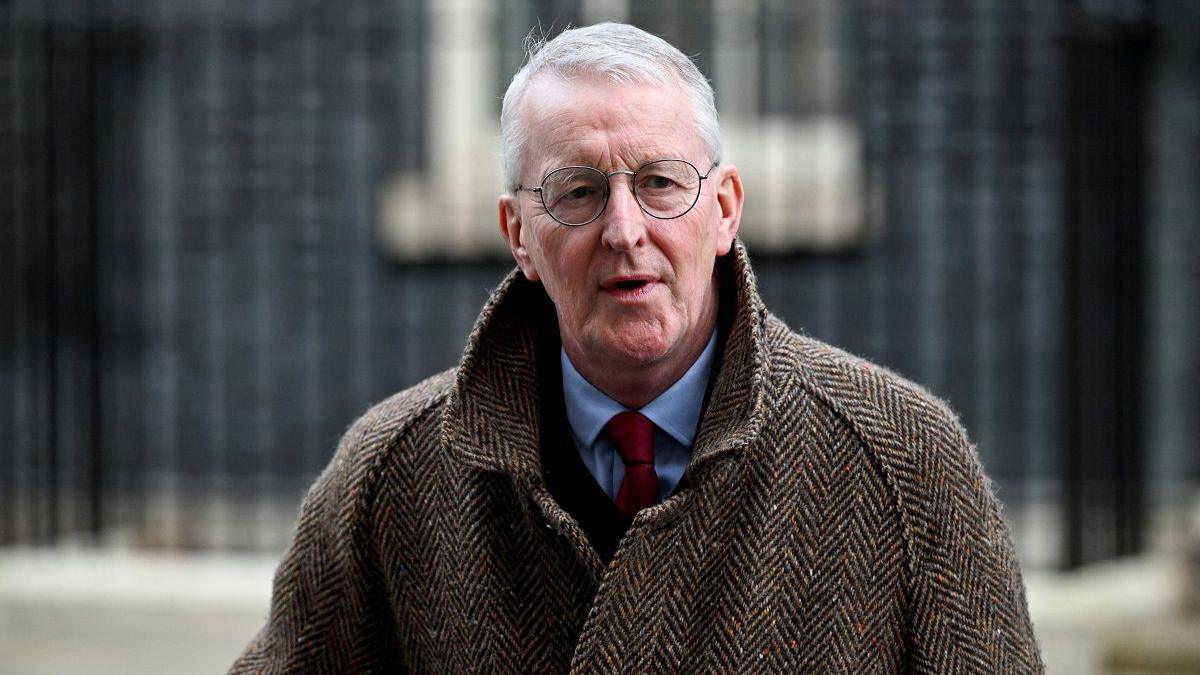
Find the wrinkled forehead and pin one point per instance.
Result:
(591, 120)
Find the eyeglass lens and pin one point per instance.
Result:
(664, 189)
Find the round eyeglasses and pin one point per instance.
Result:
(577, 195)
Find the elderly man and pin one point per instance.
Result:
(636, 467)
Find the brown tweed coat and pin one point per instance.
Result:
(834, 518)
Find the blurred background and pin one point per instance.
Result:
(226, 228)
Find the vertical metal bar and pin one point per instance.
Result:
(70, 276)
(264, 440)
(1131, 457)
(94, 449)
(1073, 555)
(1105, 168)
(13, 145)
(47, 451)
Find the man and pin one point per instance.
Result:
(636, 467)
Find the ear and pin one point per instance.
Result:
(510, 228)
(730, 199)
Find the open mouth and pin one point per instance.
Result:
(629, 286)
(632, 288)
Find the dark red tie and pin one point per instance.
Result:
(633, 434)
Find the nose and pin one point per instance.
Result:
(623, 220)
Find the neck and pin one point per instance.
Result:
(635, 385)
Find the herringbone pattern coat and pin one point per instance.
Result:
(834, 519)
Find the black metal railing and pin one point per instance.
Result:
(194, 305)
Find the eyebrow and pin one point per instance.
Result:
(649, 157)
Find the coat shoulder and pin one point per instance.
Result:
(913, 437)
(965, 586)
(371, 438)
(325, 614)
(872, 399)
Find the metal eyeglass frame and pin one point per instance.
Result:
(632, 187)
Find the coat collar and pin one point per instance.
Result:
(491, 418)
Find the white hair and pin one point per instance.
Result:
(618, 51)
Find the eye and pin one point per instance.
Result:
(578, 195)
(580, 192)
(657, 182)
(574, 188)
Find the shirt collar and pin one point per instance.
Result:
(676, 411)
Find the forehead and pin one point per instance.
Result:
(610, 125)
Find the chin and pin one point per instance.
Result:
(638, 347)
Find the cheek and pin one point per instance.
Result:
(563, 268)
(692, 252)
(697, 258)
(541, 246)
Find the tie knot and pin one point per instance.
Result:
(633, 434)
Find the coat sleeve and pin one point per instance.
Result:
(969, 613)
(328, 610)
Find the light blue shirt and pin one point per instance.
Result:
(675, 413)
